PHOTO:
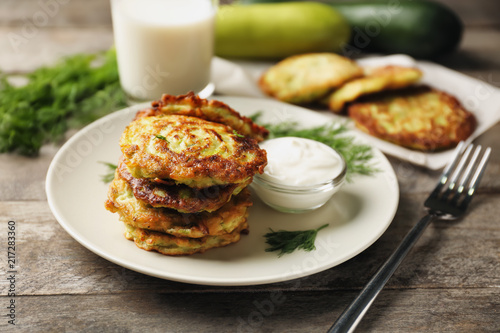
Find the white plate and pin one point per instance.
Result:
(357, 215)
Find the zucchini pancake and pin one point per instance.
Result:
(420, 118)
(185, 199)
(307, 77)
(211, 110)
(139, 214)
(172, 246)
(189, 150)
(180, 185)
(375, 80)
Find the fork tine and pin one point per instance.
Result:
(458, 170)
(456, 155)
(476, 179)
(448, 168)
(467, 173)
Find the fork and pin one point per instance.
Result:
(449, 200)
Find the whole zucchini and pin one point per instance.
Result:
(419, 28)
(278, 30)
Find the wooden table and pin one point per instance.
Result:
(450, 282)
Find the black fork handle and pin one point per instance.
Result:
(351, 316)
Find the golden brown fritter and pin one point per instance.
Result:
(190, 151)
(182, 198)
(420, 118)
(308, 77)
(211, 110)
(139, 214)
(175, 246)
(376, 80)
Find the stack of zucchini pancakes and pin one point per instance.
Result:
(180, 185)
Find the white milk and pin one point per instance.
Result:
(163, 46)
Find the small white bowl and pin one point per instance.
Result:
(298, 199)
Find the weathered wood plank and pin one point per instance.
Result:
(55, 13)
(450, 254)
(413, 310)
(49, 45)
(62, 13)
(23, 178)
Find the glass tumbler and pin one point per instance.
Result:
(164, 46)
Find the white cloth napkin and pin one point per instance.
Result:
(237, 79)
(240, 78)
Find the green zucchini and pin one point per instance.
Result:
(419, 28)
(273, 31)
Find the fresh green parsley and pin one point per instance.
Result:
(289, 241)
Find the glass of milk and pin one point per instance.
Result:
(164, 46)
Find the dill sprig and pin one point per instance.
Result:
(289, 241)
(69, 94)
(110, 174)
(357, 156)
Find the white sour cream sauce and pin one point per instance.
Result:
(298, 162)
